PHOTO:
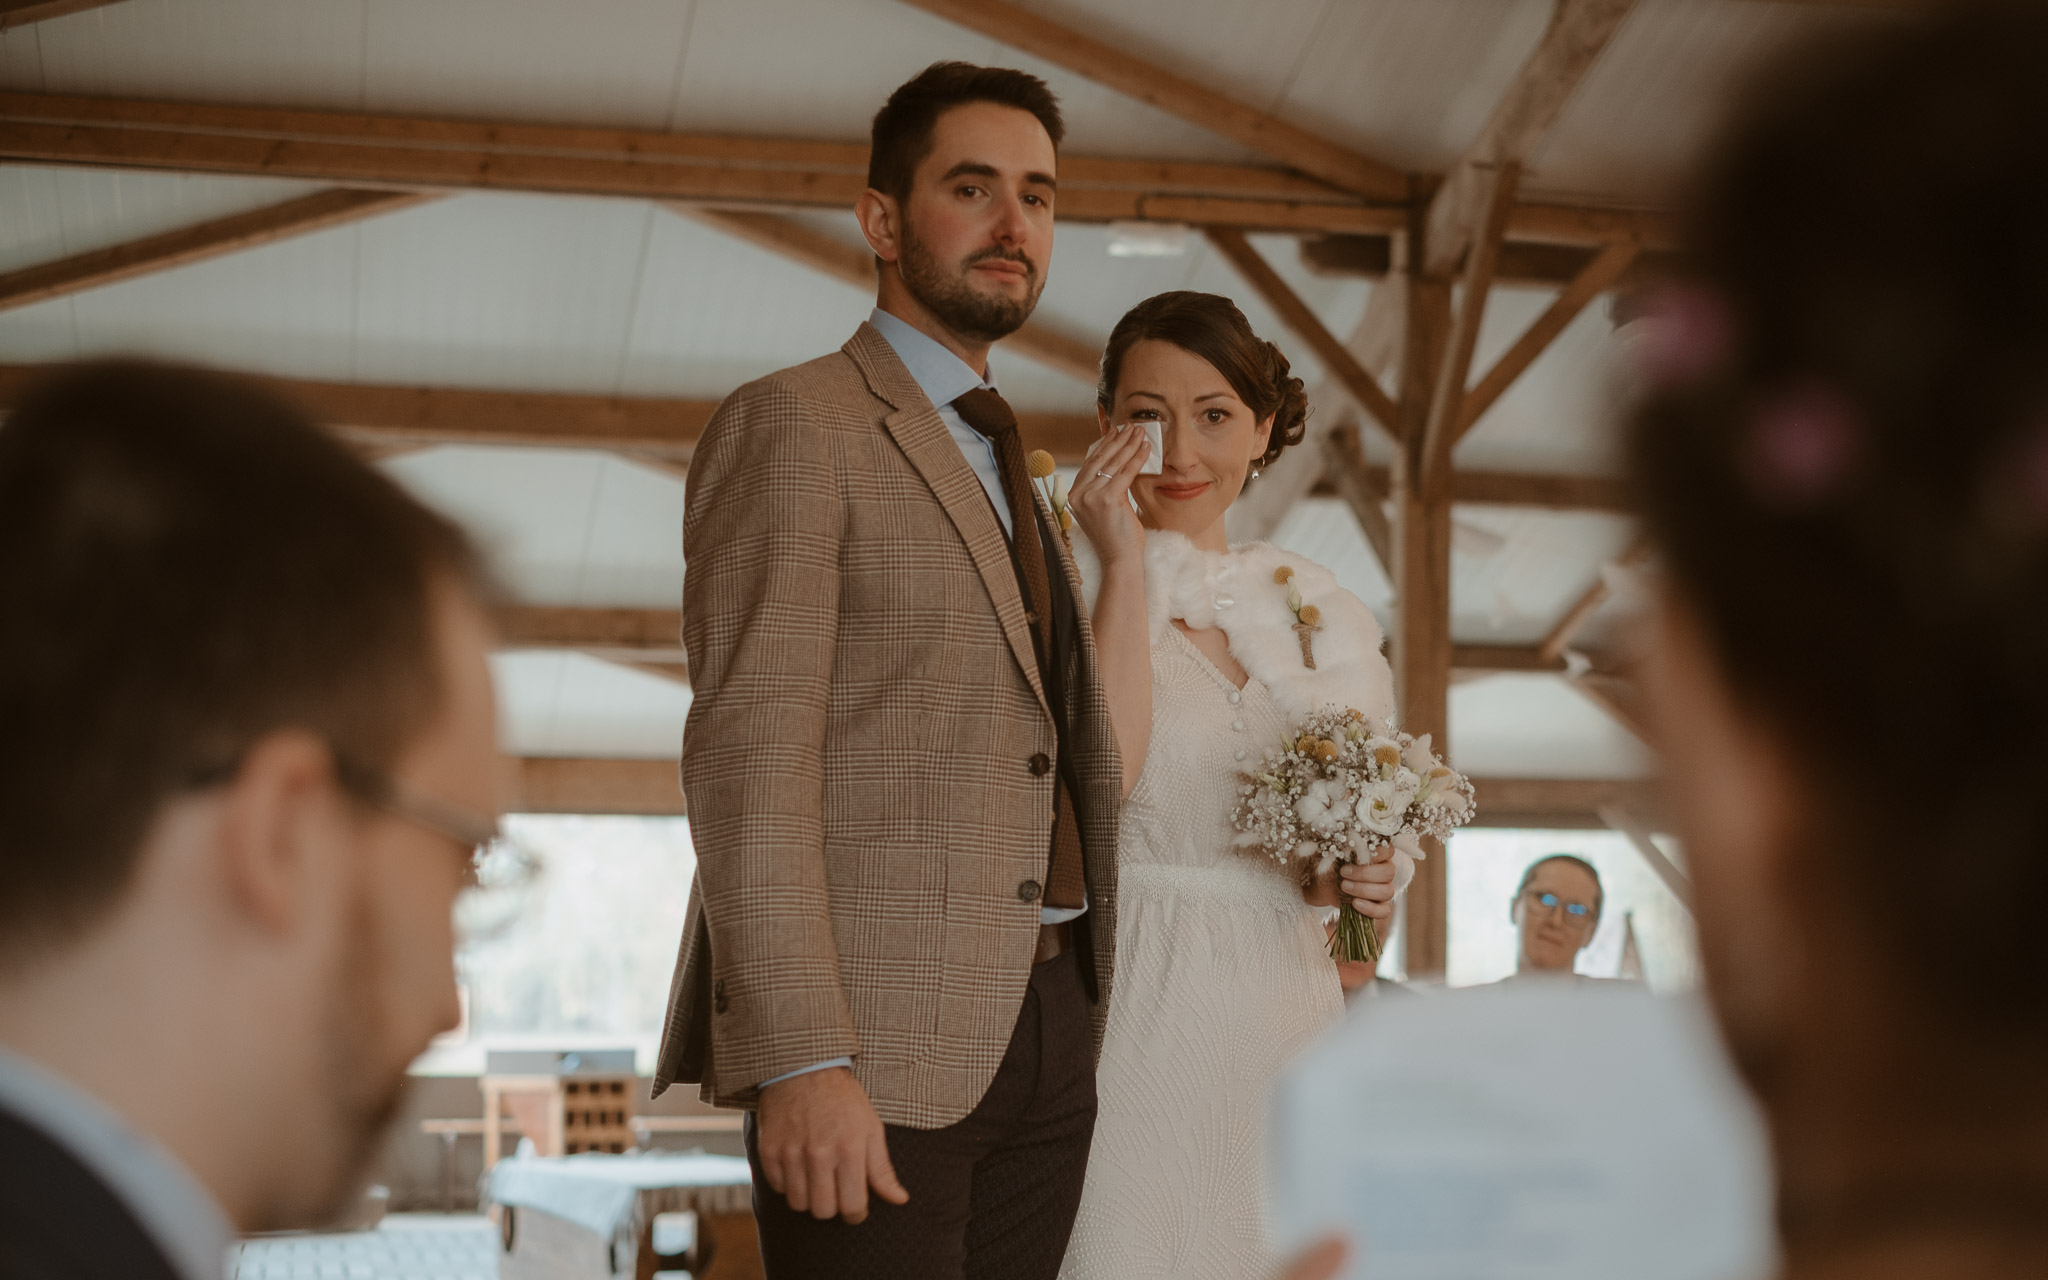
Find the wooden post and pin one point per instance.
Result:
(1422, 585)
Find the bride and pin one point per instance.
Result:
(1222, 971)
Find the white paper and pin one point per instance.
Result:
(1524, 1131)
(1155, 461)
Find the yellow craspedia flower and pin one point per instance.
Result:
(1387, 757)
(1040, 464)
(1310, 614)
(1326, 750)
(1283, 575)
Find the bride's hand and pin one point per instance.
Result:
(1370, 886)
(1101, 496)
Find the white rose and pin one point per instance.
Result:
(1383, 808)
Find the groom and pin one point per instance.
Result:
(899, 766)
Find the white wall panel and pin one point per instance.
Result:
(305, 53)
(1536, 726)
(501, 290)
(48, 213)
(560, 526)
(564, 704)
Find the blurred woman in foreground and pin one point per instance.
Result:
(1844, 463)
(1846, 469)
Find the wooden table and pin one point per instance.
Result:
(644, 1127)
(591, 1217)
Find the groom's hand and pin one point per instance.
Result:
(821, 1145)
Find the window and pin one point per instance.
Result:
(1486, 866)
(589, 966)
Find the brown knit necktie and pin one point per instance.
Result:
(989, 414)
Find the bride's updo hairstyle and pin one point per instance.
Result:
(1210, 326)
(1843, 459)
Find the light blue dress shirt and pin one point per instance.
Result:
(944, 378)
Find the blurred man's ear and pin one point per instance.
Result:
(270, 821)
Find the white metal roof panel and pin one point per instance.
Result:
(565, 704)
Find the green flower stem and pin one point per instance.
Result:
(1357, 936)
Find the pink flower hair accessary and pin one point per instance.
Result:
(1688, 332)
(1801, 446)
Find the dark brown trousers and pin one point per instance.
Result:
(992, 1197)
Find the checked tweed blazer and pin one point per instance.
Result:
(858, 762)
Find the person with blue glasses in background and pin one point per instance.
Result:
(1557, 910)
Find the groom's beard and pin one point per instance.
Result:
(948, 295)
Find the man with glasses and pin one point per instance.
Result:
(1556, 911)
(248, 757)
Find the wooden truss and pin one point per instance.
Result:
(1436, 245)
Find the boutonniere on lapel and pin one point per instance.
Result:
(1307, 618)
(1045, 472)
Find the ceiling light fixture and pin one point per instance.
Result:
(1134, 239)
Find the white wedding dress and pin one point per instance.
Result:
(1222, 971)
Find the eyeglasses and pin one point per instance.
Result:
(1551, 902)
(500, 876)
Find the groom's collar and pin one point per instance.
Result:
(941, 375)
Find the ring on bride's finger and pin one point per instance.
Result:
(1105, 475)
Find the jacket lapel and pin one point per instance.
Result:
(921, 434)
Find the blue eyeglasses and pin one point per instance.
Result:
(1551, 902)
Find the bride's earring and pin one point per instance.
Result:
(1254, 473)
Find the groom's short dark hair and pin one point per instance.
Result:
(902, 135)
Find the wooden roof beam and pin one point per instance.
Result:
(411, 152)
(658, 429)
(1582, 610)
(1355, 378)
(211, 239)
(1346, 468)
(636, 635)
(1596, 278)
(20, 13)
(1448, 398)
(1521, 262)
(1036, 341)
(1579, 30)
(1619, 817)
(572, 784)
(425, 153)
(1198, 104)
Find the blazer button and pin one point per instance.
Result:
(718, 1000)
(1041, 764)
(1027, 892)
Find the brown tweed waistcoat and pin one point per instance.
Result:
(859, 759)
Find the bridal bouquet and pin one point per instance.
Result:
(1342, 791)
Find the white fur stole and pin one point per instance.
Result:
(1234, 590)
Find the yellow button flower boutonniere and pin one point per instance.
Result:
(1046, 473)
(1308, 619)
